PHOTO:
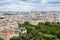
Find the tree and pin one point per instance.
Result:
(40, 23)
(27, 23)
(47, 23)
(15, 38)
(1, 17)
(30, 29)
(42, 31)
(1, 38)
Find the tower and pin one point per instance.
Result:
(32, 13)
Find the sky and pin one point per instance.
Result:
(28, 5)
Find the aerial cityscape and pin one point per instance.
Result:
(29, 19)
(9, 21)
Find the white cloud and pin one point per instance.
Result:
(20, 6)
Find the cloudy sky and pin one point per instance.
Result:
(28, 5)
